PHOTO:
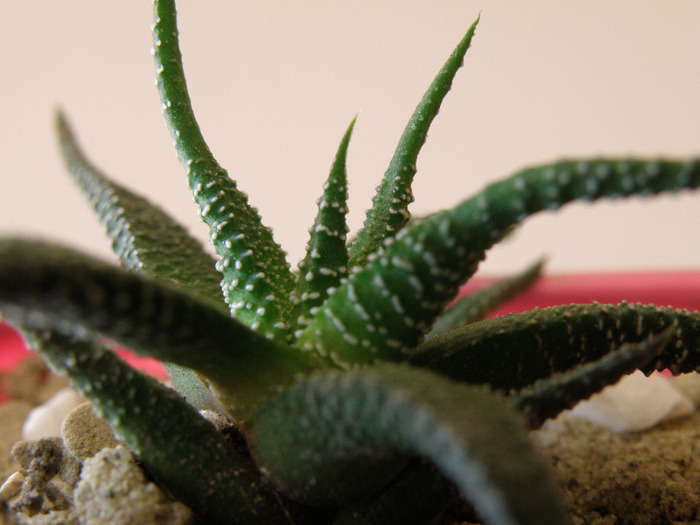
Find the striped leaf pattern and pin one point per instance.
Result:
(384, 309)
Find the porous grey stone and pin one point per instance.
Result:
(44, 463)
(114, 489)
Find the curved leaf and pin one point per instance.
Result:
(47, 287)
(383, 310)
(389, 211)
(326, 260)
(547, 397)
(144, 237)
(478, 304)
(184, 452)
(257, 281)
(515, 350)
(148, 240)
(336, 423)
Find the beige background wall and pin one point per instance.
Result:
(275, 83)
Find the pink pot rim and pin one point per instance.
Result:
(679, 289)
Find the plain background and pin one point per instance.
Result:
(275, 83)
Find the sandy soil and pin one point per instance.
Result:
(650, 477)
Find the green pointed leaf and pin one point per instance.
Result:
(389, 212)
(148, 240)
(326, 261)
(185, 453)
(478, 304)
(257, 281)
(48, 287)
(144, 237)
(547, 397)
(383, 310)
(515, 350)
(338, 423)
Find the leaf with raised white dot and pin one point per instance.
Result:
(348, 433)
(389, 211)
(548, 397)
(326, 260)
(384, 310)
(257, 280)
(476, 305)
(49, 287)
(515, 350)
(146, 239)
(181, 450)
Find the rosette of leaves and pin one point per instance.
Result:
(360, 391)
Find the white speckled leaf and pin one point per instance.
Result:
(389, 211)
(384, 310)
(257, 281)
(326, 260)
(346, 433)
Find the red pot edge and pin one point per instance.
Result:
(679, 289)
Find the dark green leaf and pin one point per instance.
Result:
(148, 240)
(384, 310)
(414, 497)
(326, 261)
(389, 211)
(547, 397)
(184, 452)
(257, 281)
(47, 287)
(478, 304)
(515, 350)
(144, 237)
(336, 424)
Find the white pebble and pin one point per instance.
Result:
(12, 486)
(45, 420)
(635, 403)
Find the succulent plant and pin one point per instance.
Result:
(356, 389)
